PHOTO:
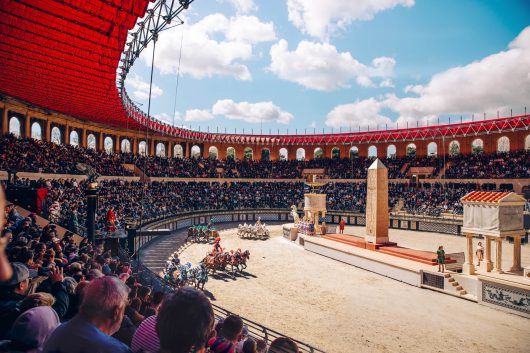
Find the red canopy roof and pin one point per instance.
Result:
(62, 55)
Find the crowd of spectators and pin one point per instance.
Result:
(66, 295)
(29, 155)
(509, 165)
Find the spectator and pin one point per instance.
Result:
(12, 293)
(227, 340)
(249, 346)
(185, 321)
(31, 329)
(283, 345)
(100, 315)
(154, 305)
(145, 338)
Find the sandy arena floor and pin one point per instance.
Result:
(341, 308)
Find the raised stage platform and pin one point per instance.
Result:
(424, 257)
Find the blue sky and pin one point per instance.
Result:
(307, 65)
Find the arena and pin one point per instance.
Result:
(237, 176)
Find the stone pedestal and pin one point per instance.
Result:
(498, 257)
(487, 264)
(377, 217)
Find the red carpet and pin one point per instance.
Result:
(425, 257)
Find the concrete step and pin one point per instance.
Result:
(462, 292)
(450, 280)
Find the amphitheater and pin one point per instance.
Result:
(99, 189)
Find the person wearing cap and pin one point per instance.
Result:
(12, 292)
(30, 330)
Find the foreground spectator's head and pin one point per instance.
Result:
(19, 282)
(185, 321)
(104, 302)
(232, 328)
(283, 345)
(32, 328)
(36, 299)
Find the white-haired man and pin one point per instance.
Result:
(99, 317)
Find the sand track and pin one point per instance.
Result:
(341, 308)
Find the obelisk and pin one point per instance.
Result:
(377, 220)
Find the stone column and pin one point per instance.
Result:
(487, 264)
(152, 148)
(134, 142)
(469, 267)
(100, 147)
(5, 122)
(169, 151)
(66, 134)
(377, 218)
(48, 131)
(516, 266)
(498, 257)
(27, 126)
(118, 144)
(83, 138)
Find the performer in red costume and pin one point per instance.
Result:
(111, 220)
(217, 247)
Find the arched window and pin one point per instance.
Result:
(108, 144)
(284, 154)
(411, 150)
(36, 131)
(74, 138)
(391, 151)
(265, 154)
(160, 150)
(300, 154)
(56, 135)
(178, 151)
(230, 153)
(372, 152)
(125, 146)
(195, 152)
(477, 146)
(527, 143)
(14, 126)
(335, 153)
(142, 148)
(432, 149)
(503, 144)
(354, 152)
(318, 153)
(213, 153)
(454, 148)
(247, 153)
(91, 141)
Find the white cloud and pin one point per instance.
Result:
(387, 83)
(140, 88)
(214, 46)
(321, 18)
(497, 82)
(251, 112)
(198, 115)
(166, 118)
(322, 67)
(244, 6)
(360, 113)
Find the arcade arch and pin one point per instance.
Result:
(195, 152)
(411, 150)
(527, 143)
(503, 144)
(477, 146)
(283, 154)
(14, 126)
(391, 151)
(160, 150)
(91, 141)
(56, 135)
(230, 153)
(108, 144)
(432, 149)
(354, 152)
(335, 153)
(454, 148)
(248, 153)
(142, 148)
(372, 151)
(265, 154)
(300, 154)
(125, 146)
(178, 151)
(36, 131)
(318, 153)
(213, 153)
(74, 138)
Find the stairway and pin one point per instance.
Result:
(447, 165)
(404, 168)
(455, 285)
